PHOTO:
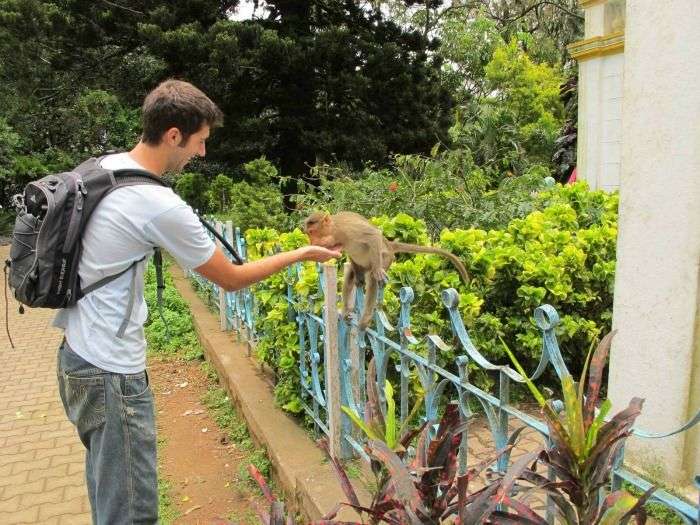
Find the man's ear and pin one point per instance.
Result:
(172, 137)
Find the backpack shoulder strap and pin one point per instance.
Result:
(130, 177)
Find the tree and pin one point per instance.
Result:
(516, 123)
(551, 24)
(313, 81)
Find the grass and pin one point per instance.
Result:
(659, 512)
(174, 338)
(247, 517)
(167, 512)
(182, 343)
(224, 414)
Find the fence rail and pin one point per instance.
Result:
(332, 367)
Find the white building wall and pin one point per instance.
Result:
(656, 354)
(600, 121)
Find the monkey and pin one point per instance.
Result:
(370, 255)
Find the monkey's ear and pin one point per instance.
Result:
(326, 218)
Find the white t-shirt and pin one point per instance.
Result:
(126, 226)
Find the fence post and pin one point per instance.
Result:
(228, 234)
(222, 293)
(357, 363)
(332, 361)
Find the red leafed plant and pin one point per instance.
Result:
(583, 450)
(426, 489)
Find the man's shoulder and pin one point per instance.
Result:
(152, 199)
(119, 161)
(123, 161)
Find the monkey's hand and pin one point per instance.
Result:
(380, 276)
(316, 253)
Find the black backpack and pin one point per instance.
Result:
(46, 241)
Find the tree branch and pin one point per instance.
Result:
(537, 5)
(123, 7)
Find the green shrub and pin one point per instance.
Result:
(175, 337)
(252, 203)
(192, 187)
(279, 345)
(446, 190)
(562, 253)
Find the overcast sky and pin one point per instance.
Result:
(245, 10)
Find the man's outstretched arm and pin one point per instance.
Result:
(232, 277)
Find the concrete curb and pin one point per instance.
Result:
(300, 468)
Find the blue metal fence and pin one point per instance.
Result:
(394, 350)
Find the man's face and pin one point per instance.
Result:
(183, 151)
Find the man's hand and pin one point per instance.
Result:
(316, 253)
(232, 277)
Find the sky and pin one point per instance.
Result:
(245, 10)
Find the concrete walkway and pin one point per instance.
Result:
(42, 473)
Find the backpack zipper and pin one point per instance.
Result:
(75, 216)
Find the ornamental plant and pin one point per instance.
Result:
(582, 450)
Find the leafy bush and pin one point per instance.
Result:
(175, 336)
(446, 190)
(9, 144)
(17, 167)
(563, 253)
(252, 203)
(515, 123)
(256, 203)
(192, 187)
(279, 345)
(581, 449)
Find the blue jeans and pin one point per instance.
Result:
(114, 416)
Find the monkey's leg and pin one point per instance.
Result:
(380, 261)
(349, 292)
(370, 302)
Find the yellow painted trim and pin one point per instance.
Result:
(589, 3)
(598, 46)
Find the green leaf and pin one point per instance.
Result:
(416, 407)
(592, 433)
(535, 392)
(614, 515)
(360, 424)
(584, 373)
(390, 432)
(574, 417)
(549, 412)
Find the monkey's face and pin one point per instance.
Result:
(318, 226)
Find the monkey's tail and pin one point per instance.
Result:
(417, 248)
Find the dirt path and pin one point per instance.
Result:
(196, 458)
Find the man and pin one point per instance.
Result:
(102, 362)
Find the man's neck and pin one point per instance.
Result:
(152, 158)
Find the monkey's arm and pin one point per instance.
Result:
(348, 291)
(370, 301)
(377, 270)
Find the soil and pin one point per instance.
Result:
(195, 456)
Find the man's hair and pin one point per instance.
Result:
(177, 104)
